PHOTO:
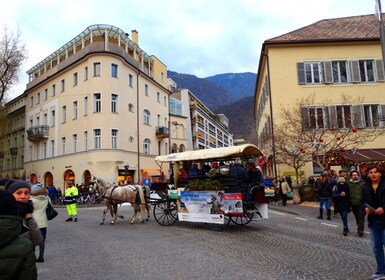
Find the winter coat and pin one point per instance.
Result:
(355, 189)
(17, 260)
(285, 187)
(324, 189)
(374, 199)
(40, 201)
(341, 203)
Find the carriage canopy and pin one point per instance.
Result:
(246, 150)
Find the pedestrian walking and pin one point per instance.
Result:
(39, 198)
(17, 260)
(21, 190)
(341, 202)
(373, 201)
(285, 189)
(71, 195)
(355, 189)
(324, 190)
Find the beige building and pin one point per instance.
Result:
(334, 63)
(96, 106)
(12, 134)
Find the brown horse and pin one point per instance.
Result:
(114, 195)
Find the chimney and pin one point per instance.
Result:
(134, 36)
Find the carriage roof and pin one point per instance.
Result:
(246, 150)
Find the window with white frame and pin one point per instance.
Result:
(146, 93)
(64, 114)
(130, 80)
(62, 85)
(75, 79)
(52, 148)
(97, 69)
(97, 103)
(114, 103)
(38, 98)
(45, 94)
(45, 150)
(366, 70)
(146, 117)
(147, 146)
(340, 72)
(53, 118)
(371, 118)
(114, 70)
(45, 119)
(74, 143)
(97, 138)
(313, 72)
(344, 116)
(114, 138)
(63, 145)
(53, 90)
(75, 110)
(85, 139)
(317, 117)
(85, 105)
(158, 97)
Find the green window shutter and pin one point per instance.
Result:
(301, 73)
(380, 70)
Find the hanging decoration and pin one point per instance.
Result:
(354, 129)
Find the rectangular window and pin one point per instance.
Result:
(130, 80)
(63, 145)
(114, 70)
(31, 102)
(86, 73)
(97, 103)
(52, 148)
(75, 79)
(85, 136)
(146, 90)
(316, 117)
(97, 139)
(97, 68)
(114, 139)
(114, 103)
(165, 101)
(344, 117)
(62, 85)
(45, 150)
(45, 119)
(158, 97)
(45, 94)
(53, 90)
(340, 74)
(64, 114)
(74, 143)
(85, 105)
(366, 70)
(75, 110)
(313, 72)
(371, 116)
(53, 118)
(38, 98)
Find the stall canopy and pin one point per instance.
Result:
(246, 150)
(364, 155)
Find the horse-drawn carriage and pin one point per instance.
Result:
(215, 196)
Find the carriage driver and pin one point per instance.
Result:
(71, 194)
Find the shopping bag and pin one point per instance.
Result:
(50, 211)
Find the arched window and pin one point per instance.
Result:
(174, 148)
(182, 148)
(130, 108)
(147, 146)
(146, 117)
(130, 139)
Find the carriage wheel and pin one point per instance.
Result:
(241, 219)
(165, 213)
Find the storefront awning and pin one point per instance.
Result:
(364, 155)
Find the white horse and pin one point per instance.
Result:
(114, 195)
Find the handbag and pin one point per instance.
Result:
(50, 211)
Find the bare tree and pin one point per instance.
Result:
(297, 141)
(12, 55)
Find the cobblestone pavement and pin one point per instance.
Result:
(291, 244)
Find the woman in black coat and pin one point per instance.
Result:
(341, 202)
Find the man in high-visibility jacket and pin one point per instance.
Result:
(71, 195)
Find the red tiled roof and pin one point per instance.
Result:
(354, 28)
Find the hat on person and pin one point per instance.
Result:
(14, 185)
(7, 203)
(37, 187)
(341, 179)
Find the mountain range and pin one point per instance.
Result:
(231, 94)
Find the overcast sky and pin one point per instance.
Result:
(198, 37)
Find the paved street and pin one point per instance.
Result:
(291, 244)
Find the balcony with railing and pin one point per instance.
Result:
(162, 132)
(38, 133)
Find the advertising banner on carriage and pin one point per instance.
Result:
(200, 206)
(232, 203)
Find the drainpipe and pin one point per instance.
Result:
(271, 114)
(137, 123)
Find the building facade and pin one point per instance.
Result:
(96, 106)
(337, 64)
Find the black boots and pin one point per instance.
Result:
(69, 219)
(329, 212)
(40, 259)
(320, 214)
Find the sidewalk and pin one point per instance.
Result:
(306, 207)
